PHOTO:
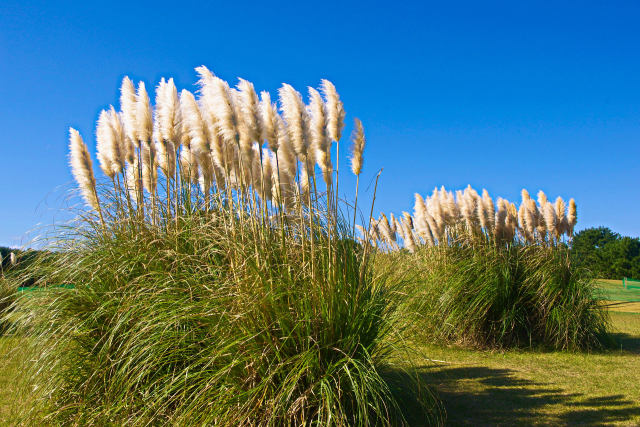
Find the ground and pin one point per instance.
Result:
(549, 388)
(504, 388)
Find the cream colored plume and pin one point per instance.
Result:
(335, 110)
(218, 98)
(168, 112)
(393, 223)
(82, 169)
(420, 215)
(489, 211)
(250, 122)
(468, 207)
(286, 154)
(317, 122)
(295, 115)
(359, 142)
(128, 106)
(144, 118)
(511, 222)
(269, 118)
(122, 145)
(13, 259)
(572, 217)
(542, 199)
(388, 235)
(194, 123)
(107, 146)
(550, 219)
(561, 217)
(501, 218)
(452, 212)
(409, 238)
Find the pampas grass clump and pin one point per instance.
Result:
(493, 274)
(216, 280)
(501, 297)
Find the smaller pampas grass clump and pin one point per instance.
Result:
(495, 275)
(518, 296)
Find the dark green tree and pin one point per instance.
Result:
(607, 254)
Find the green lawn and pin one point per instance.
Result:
(549, 388)
(497, 388)
(554, 388)
(613, 290)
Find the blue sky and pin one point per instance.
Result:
(499, 95)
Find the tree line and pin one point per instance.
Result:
(607, 254)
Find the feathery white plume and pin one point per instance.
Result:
(542, 199)
(168, 112)
(128, 106)
(550, 219)
(144, 119)
(295, 116)
(572, 217)
(359, 142)
(317, 122)
(219, 100)
(561, 217)
(82, 168)
(106, 144)
(121, 147)
(250, 125)
(269, 118)
(335, 110)
(193, 121)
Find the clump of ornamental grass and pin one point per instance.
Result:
(493, 275)
(215, 280)
(513, 296)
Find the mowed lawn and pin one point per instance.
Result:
(548, 388)
(496, 388)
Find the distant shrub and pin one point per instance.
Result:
(514, 296)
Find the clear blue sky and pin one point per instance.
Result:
(507, 95)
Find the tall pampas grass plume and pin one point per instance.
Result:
(128, 107)
(250, 125)
(193, 121)
(269, 118)
(217, 98)
(295, 115)
(106, 146)
(359, 142)
(82, 169)
(561, 216)
(572, 217)
(144, 117)
(550, 219)
(335, 110)
(168, 112)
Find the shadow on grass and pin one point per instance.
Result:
(481, 396)
(627, 342)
